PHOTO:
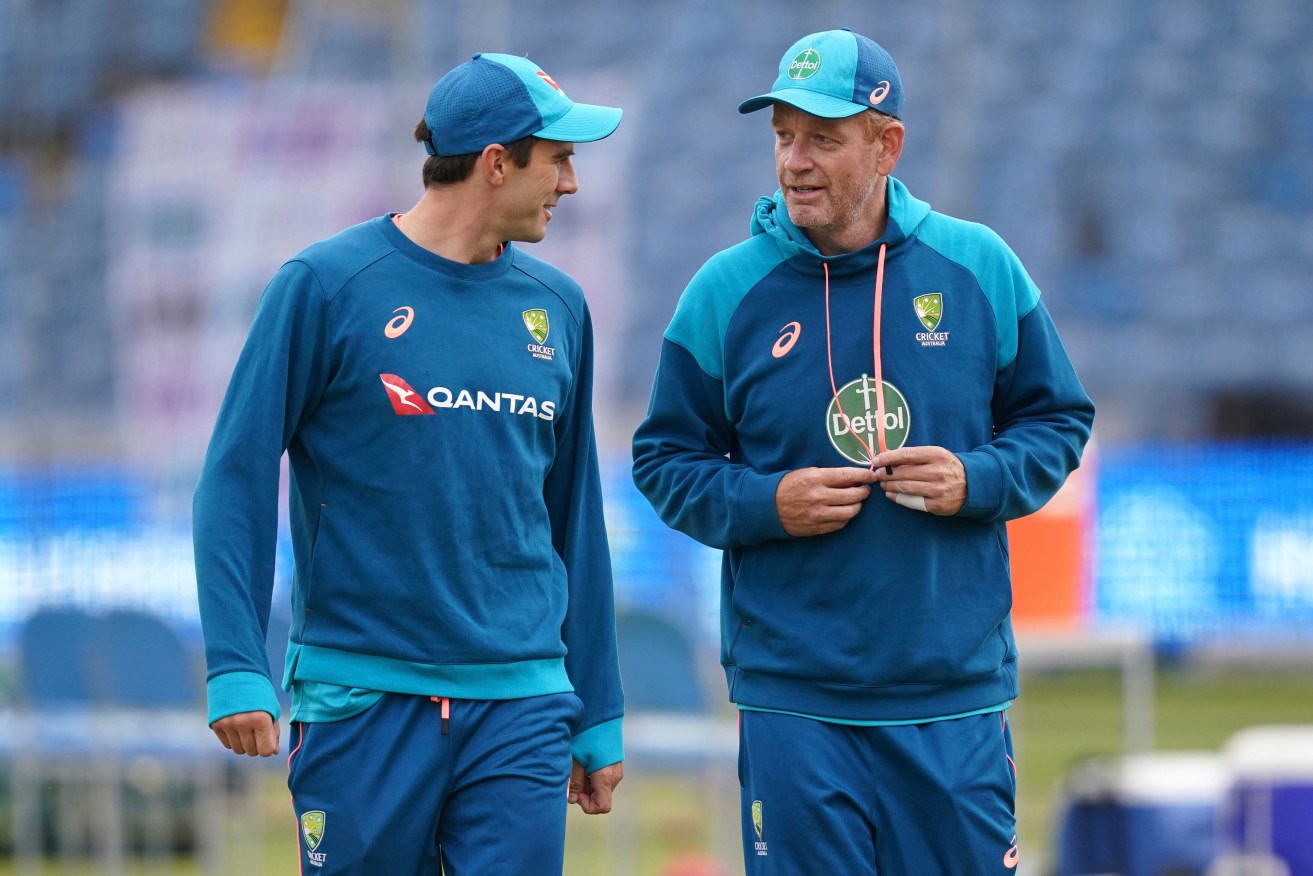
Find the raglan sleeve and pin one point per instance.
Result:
(573, 494)
(1042, 415)
(278, 379)
(683, 450)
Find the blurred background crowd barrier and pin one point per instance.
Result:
(1151, 161)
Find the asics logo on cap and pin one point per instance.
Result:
(880, 92)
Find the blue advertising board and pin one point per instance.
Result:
(1206, 543)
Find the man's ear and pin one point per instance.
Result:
(891, 148)
(492, 163)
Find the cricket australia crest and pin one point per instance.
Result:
(930, 311)
(536, 322)
(759, 845)
(312, 828)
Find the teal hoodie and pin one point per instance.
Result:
(901, 615)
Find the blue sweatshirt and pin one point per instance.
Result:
(445, 502)
(901, 615)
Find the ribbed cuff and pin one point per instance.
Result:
(236, 692)
(599, 746)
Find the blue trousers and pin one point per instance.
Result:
(401, 790)
(933, 799)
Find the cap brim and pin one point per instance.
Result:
(583, 123)
(824, 105)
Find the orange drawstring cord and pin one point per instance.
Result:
(878, 374)
(875, 349)
(444, 705)
(829, 361)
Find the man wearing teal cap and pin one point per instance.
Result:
(452, 658)
(859, 342)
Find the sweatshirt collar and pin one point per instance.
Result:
(435, 262)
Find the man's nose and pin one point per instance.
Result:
(568, 182)
(796, 157)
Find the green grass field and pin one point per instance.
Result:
(670, 827)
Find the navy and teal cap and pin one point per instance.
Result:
(835, 74)
(503, 98)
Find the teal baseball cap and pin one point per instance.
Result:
(835, 74)
(494, 98)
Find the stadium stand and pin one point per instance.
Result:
(1148, 160)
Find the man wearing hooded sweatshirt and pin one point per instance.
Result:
(858, 341)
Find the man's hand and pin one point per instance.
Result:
(814, 501)
(930, 475)
(593, 792)
(248, 733)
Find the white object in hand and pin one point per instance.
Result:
(907, 500)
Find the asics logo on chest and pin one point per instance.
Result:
(788, 337)
(397, 326)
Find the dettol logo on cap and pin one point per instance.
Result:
(805, 65)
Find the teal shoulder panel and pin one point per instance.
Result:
(715, 292)
(1003, 281)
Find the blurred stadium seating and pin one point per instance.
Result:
(1149, 160)
(673, 722)
(105, 745)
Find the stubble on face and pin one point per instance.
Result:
(843, 206)
(827, 173)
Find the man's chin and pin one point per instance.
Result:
(803, 216)
(532, 235)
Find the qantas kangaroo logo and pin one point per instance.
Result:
(405, 400)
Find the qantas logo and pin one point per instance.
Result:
(405, 401)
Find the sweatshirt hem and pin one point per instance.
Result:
(472, 681)
(894, 702)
